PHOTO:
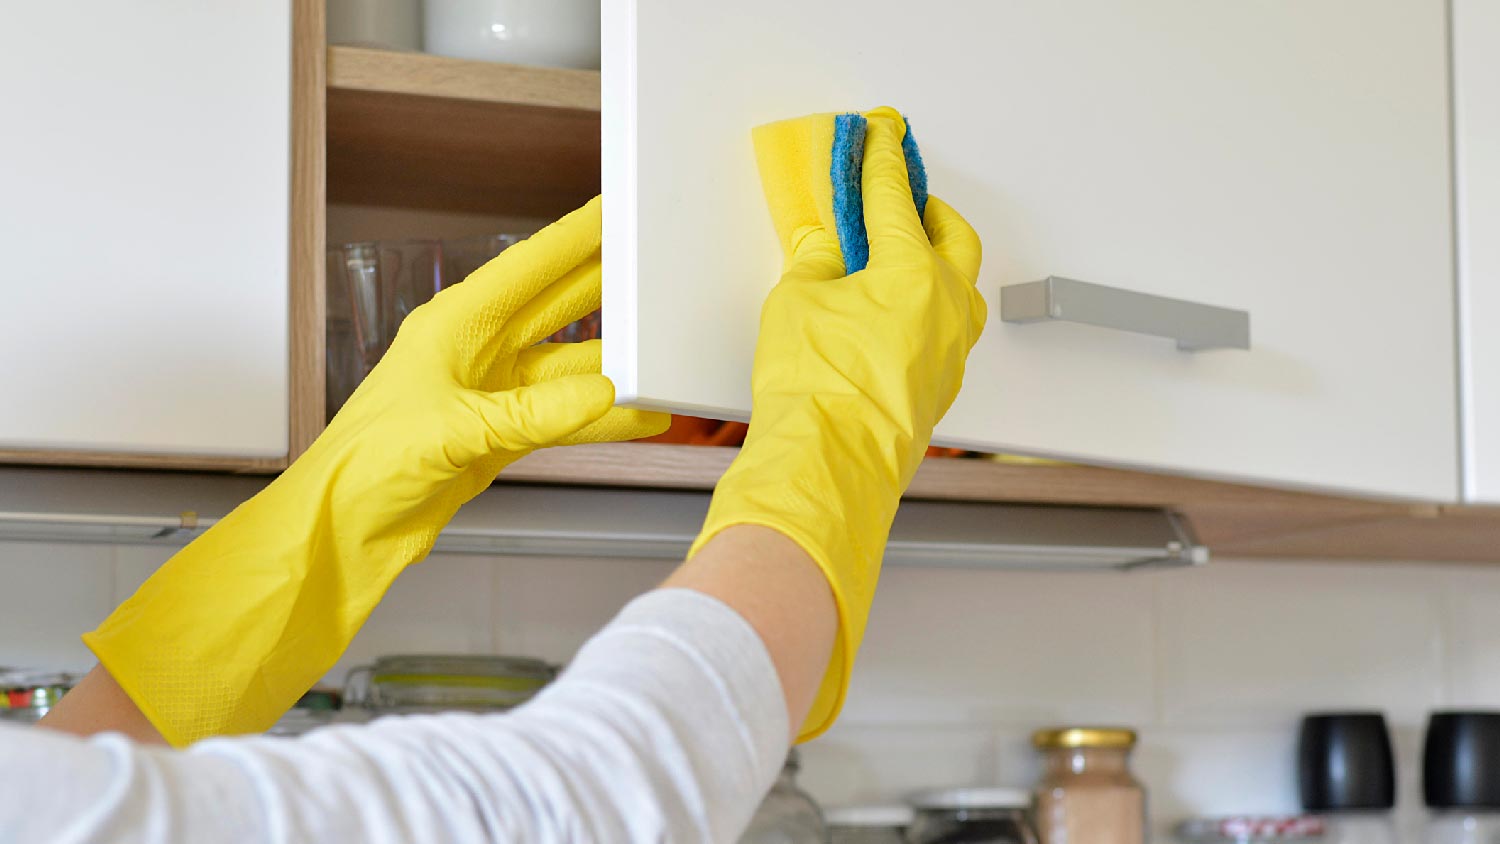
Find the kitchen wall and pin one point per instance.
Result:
(1214, 665)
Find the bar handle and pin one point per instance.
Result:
(1193, 325)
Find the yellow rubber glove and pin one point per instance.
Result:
(233, 629)
(851, 374)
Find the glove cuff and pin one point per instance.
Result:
(835, 496)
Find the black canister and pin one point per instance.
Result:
(1344, 762)
(1461, 760)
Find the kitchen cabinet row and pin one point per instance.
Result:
(1327, 172)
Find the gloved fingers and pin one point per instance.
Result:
(895, 231)
(512, 278)
(532, 416)
(979, 313)
(569, 299)
(953, 238)
(560, 360)
(816, 257)
(619, 425)
(555, 360)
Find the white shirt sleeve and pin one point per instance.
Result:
(668, 726)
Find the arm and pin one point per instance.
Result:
(667, 726)
(851, 374)
(673, 721)
(881, 353)
(236, 626)
(776, 587)
(98, 705)
(764, 576)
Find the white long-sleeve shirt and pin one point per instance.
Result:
(668, 726)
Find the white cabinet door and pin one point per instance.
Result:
(1476, 53)
(1285, 157)
(144, 226)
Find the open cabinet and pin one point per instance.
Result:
(1269, 158)
(1476, 143)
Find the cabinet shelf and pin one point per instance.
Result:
(419, 131)
(1234, 520)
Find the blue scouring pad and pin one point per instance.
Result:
(846, 174)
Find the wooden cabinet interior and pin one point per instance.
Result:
(420, 131)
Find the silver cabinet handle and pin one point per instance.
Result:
(1194, 326)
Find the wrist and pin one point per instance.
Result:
(833, 489)
(841, 442)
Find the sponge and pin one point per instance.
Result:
(811, 169)
(846, 175)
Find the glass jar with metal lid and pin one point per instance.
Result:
(1087, 794)
(406, 684)
(787, 814)
(25, 696)
(972, 815)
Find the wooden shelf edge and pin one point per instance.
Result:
(1233, 520)
(420, 74)
(640, 465)
(698, 467)
(120, 460)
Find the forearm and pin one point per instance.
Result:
(227, 634)
(98, 705)
(775, 586)
(286, 527)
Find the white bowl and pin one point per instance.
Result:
(549, 33)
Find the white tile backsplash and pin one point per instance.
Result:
(441, 605)
(1249, 645)
(1215, 665)
(135, 563)
(547, 607)
(1471, 621)
(983, 647)
(1218, 772)
(49, 596)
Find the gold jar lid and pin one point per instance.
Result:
(1084, 738)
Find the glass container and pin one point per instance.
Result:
(868, 824)
(317, 708)
(1346, 773)
(1460, 826)
(972, 816)
(407, 684)
(1251, 830)
(25, 696)
(463, 255)
(787, 815)
(1362, 827)
(1461, 777)
(382, 24)
(1087, 794)
(371, 287)
(549, 33)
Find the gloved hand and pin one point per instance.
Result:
(233, 629)
(850, 376)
